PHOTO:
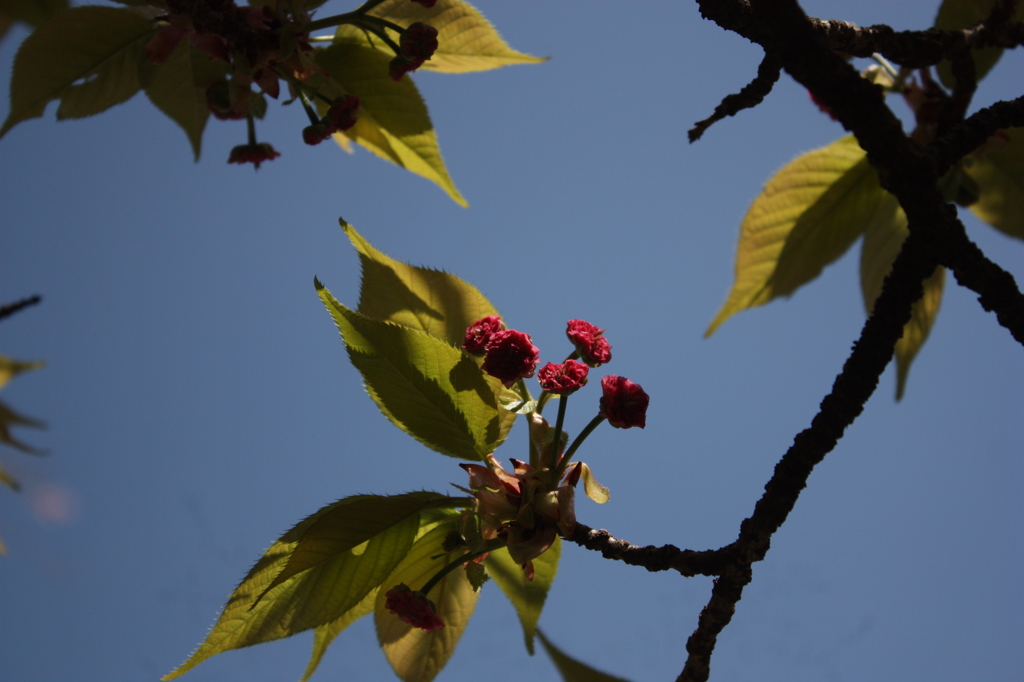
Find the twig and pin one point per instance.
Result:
(749, 97)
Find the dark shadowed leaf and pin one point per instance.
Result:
(959, 14)
(571, 669)
(998, 170)
(527, 596)
(94, 45)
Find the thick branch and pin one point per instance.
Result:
(974, 131)
(686, 561)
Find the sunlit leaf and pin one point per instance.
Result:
(431, 390)
(998, 169)
(466, 40)
(392, 121)
(325, 634)
(348, 557)
(527, 596)
(81, 43)
(571, 669)
(883, 236)
(594, 490)
(959, 14)
(10, 368)
(429, 300)
(178, 88)
(417, 655)
(808, 215)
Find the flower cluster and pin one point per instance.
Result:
(267, 42)
(526, 509)
(417, 44)
(413, 608)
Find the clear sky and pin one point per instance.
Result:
(200, 401)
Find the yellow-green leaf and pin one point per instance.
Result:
(432, 301)
(10, 368)
(417, 655)
(594, 490)
(325, 634)
(352, 562)
(883, 237)
(392, 121)
(178, 88)
(571, 669)
(527, 596)
(959, 14)
(80, 43)
(466, 40)
(998, 169)
(808, 215)
(430, 389)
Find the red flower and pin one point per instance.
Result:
(563, 379)
(511, 356)
(342, 114)
(316, 133)
(418, 42)
(413, 608)
(253, 153)
(624, 404)
(590, 343)
(480, 332)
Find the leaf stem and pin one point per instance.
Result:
(587, 430)
(461, 561)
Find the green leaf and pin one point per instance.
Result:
(571, 669)
(594, 490)
(431, 390)
(91, 43)
(392, 121)
(959, 14)
(353, 545)
(526, 596)
(883, 237)
(432, 301)
(178, 88)
(808, 215)
(998, 169)
(325, 634)
(32, 12)
(414, 654)
(466, 40)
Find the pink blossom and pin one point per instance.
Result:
(480, 332)
(342, 114)
(624, 403)
(590, 343)
(253, 153)
(413, 608)
(510, 356)
(563, 379)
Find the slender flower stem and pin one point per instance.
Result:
(594, 423)
(461, 561)
(252, 129)
(553, 459)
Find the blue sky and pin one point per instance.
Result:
(200, 402)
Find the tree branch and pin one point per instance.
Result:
(11, 308)
(687, 561)
(752, 94)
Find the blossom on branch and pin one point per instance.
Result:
(563, 379)
(417, 43)
(253, 153)
(590, 343)
(511, 356)
(413, 608)
(624, 403)
(342, 114)
(480, 332)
